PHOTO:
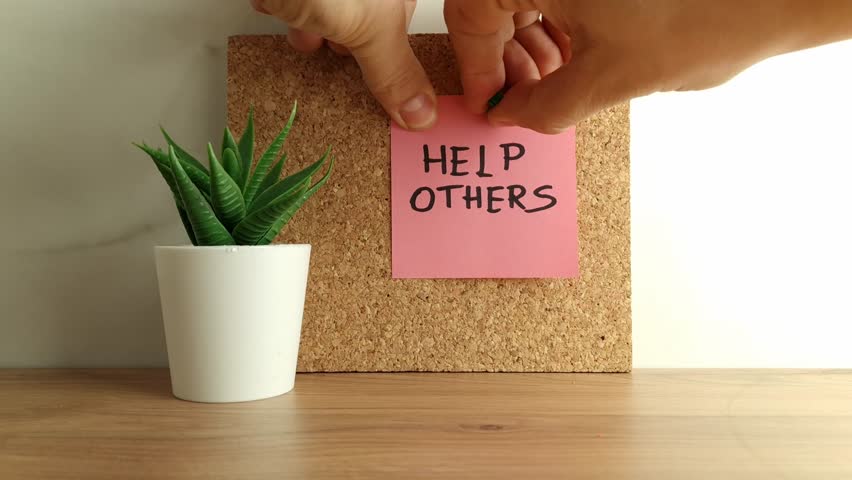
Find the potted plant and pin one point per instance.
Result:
(231, 301)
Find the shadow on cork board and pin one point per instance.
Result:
(357, 318)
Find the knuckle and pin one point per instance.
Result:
(285, 10)
(397, 83)
(328, 19)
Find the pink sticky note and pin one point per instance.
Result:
(488, 203)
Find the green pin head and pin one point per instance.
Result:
(493, 101)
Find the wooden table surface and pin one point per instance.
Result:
(685, 424)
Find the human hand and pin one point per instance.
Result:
(375, 33)
(587, 55)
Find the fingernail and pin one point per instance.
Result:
(418, 112)
(258, 5)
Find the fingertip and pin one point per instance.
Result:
(475, 104)
(562, 39)
(480, 89)
(541, 47)
(520, 65)
(338, 49)
(528, 105)
(304, 41)
(257, 5)
(497, 122)
(510, 109)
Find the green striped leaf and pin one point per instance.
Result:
(262, 226)
(245, 151)
(207, 228)
(183, 155)
(231, 163)
(199, 177)
(225, 195)
(266, 159)
(273, 175)
(161, 161)
(288, 185)
(185, 220)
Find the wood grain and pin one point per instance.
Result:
(109, 424)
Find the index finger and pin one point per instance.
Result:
(478, 31)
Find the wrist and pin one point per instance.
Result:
(721, 40)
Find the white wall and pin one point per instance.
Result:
(742, 218)
(80, 208)
(741, 221)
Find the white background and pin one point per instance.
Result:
(741, 195)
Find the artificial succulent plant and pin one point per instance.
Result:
(229, 203)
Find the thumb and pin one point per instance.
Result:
(560, 100)
(396, 78)
(375, 32)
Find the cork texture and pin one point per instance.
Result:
(357, 318)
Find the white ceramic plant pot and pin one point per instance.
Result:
(233, 319)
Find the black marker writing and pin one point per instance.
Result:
(449, 190)
(468, 197)
(417, 194)
(481, 172)
(443, 160)
(538, 193)
(516, 192)
(508, 157)
(455, 161)
(490, 197)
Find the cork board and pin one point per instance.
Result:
(357, 318)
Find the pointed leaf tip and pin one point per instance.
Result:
(185, 157)
(288, 186)
(232, 166)
(226, 197)
(206, 227)
(272, 176)
(245, 150)
(265, 161)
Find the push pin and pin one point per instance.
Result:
(493, 101)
